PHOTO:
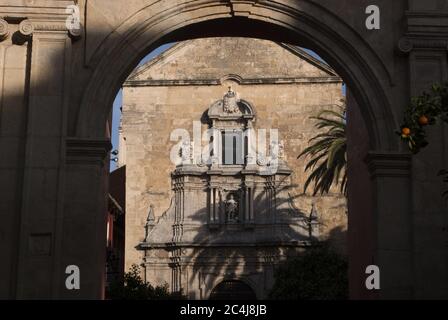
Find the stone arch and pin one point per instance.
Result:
(315, 26)
(235, 278)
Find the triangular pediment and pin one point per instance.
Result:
(237, 58)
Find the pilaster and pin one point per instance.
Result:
(42, 211)
(391, 177)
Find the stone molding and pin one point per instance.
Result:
(389, 164)
(35, 8)
(274, 244)
(38, 16)
(427, 23)
(425, 30)
(86, 151)
(409, 43)
(250, 81)
(28, 27)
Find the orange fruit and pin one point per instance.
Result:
(423, 120)
(406, 132)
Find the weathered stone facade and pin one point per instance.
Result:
(279, 87)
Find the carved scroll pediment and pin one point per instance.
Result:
(231, 107)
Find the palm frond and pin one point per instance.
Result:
(328, 153)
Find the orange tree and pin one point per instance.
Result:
(424, 110)
(427, 109)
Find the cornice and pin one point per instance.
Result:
(211, 82)
(389, 164)
(427, 22)
(87, 151)
(11, 9)
(279, 243)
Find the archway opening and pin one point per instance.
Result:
(233, 290)
(249, 28)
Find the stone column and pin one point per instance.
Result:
(251, 202)
(213, 207)
(247, 205)
(390, 173)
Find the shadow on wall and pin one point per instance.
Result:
(232, 251)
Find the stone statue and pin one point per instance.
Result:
(230, 102)
(232, 209)
(281, 150)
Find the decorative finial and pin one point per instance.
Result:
(150, 221)
(151, 217)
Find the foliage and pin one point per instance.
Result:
(134, 288)
(318, 274)
(426, 109)
(328, 152)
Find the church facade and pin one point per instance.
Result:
(210, 134)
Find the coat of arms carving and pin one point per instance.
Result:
(230, 102)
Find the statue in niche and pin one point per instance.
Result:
(232, 214)
(230, 102)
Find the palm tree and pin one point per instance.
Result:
(328, 152)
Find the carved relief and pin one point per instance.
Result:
(230, 102)
(26, 28)
(231, 107)
(4, 29)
